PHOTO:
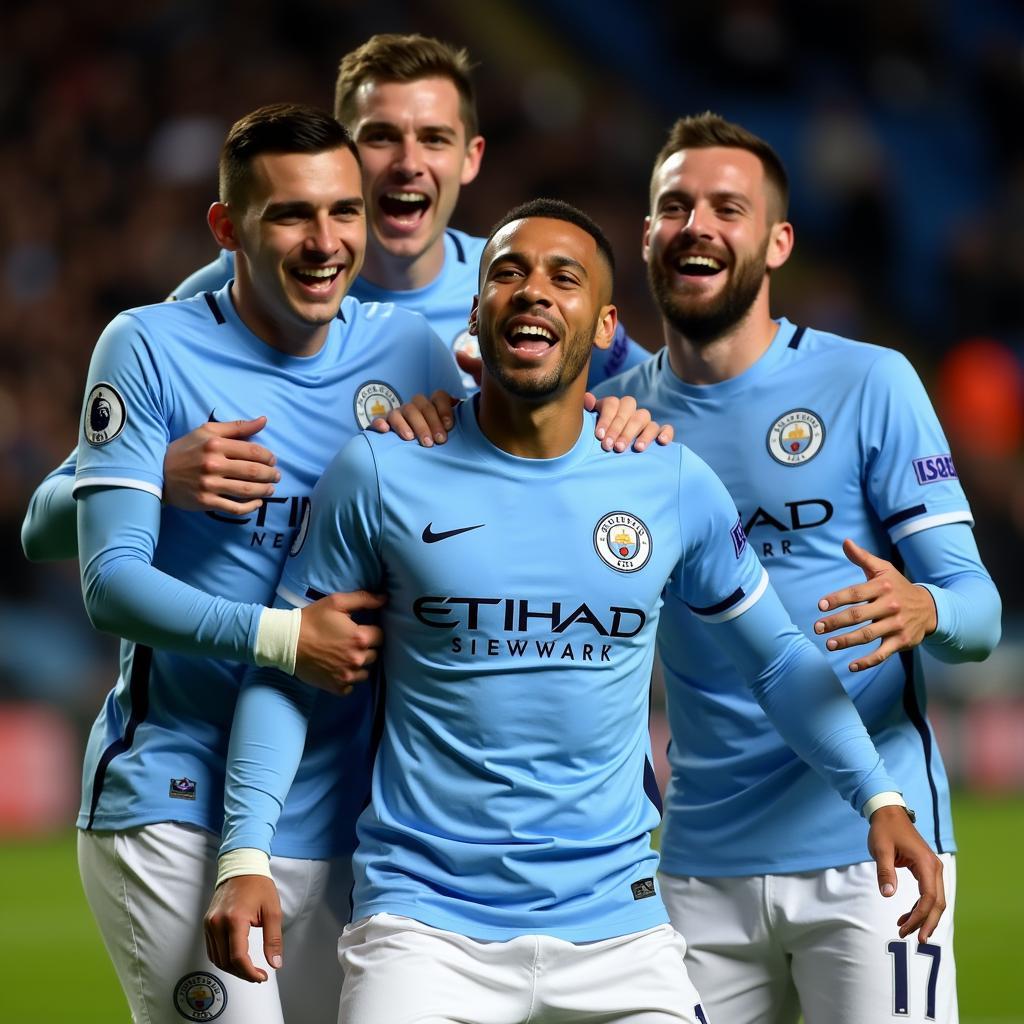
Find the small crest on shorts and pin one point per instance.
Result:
(623, 541)
(182, 789)
(200, 996)
(105, 414)
(644, 889)
(796, 437)
(374, 400)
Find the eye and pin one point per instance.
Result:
(347, 212)
(674, 208)
(376, 137)
(506, 273)
(436, 140)
(565, 279)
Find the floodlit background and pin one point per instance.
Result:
(901, 123)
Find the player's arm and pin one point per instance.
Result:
(49, 531)
(271, 717)
(209, 278)
(949, 602)
(796, 688)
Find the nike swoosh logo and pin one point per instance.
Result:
(429, 537)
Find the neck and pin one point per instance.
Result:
(531, 430)
(293, 339)
(400, 273)
(724, 357)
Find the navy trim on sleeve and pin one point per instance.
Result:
(734, 598)
(314, 595)
(460, 252)
(912, 707)
(651, 785)
(794, 342)
(214, 308)
(902, 516)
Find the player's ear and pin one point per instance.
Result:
(222, 225)
(471, 161)
(780, 244)
(607, 321)
(645, 245)
(473, 315)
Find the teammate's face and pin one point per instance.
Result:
(709, 241)
(302, 235)
(416, 157)
(542, 306)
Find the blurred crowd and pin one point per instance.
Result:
(899, 121)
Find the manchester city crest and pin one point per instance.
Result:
(374, 400)
(105, 414)
(796, 437)
(623, 541)
(200, 996)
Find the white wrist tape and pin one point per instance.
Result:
(277, 638)
(889, 799)
(242, 862)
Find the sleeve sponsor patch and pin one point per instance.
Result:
(105, 414)
(934, 468)
(739, 538)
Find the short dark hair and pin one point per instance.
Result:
(702, 131)
(556, 209)
(277, 128)
(405, 58)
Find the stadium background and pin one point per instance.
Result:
(899, 120)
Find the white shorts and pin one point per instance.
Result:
(400, 971)
(149, 888)
(765, 948)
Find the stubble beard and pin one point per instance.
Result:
(703, 321)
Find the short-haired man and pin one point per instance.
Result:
(827, 446)
(188, 591)
(505, 863)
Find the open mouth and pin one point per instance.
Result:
(530, 339)
(317, 278)
(407, 208)
(698, 266)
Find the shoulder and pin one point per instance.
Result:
(636, 381)
(381, 316)
(465, 248)
(859, 357)
(162, 323)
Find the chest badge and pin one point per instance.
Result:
(623, 541)
(374, 400)
(796, 437)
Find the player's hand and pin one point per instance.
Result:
(241, 903)
(473, 365)
(886, 607)
(894, 843)
(214, 468)
(621, 424)
(426, 419)
(335, 652)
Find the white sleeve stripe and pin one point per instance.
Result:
(927, 522)
(740, 607)
(289, 595)
(115, 481)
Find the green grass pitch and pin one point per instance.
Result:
(57, 971)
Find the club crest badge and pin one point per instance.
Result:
(373, 400)
(105, 415)
(200, 996)
(622, 541)
(796, 437)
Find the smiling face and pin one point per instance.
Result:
(709, 242)
(416, 157)
(543, 305)
(300, 238)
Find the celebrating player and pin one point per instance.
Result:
(829, 447)
(285, 338)
(505, 861)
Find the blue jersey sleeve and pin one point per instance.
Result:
(946, 562)
(622, 354)
(338, 550)
(909, 476)
(49, 531)
(124, 431)
(210, 278)
(442, 369)
(124, 594)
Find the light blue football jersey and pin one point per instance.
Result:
(513, 790)
(445, 303)
(821, 439)
(157, 749)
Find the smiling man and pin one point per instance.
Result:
(505, 871)
(188, 591)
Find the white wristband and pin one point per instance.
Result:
(242, 862)
(888, 799)
(277, 638)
